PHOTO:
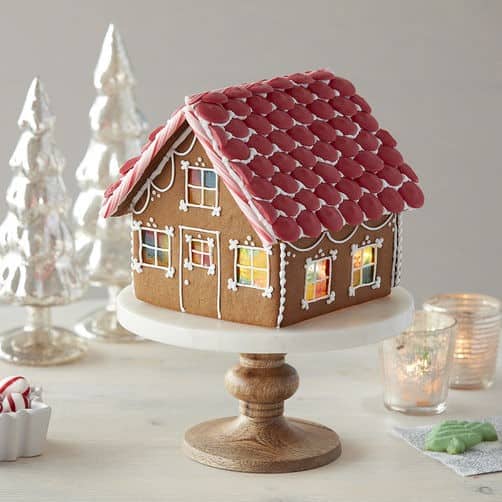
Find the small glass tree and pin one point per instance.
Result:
(38, 263)
(117, 133)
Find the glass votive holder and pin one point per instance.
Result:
(478, 332)
(416, 365)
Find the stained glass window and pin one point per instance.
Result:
(252, 267)
(202, 186)
(364, 262)
(155, 248)
(201, 253)
(317, 279)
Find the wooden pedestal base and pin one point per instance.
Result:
(261, 439)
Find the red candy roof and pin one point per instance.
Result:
(300, 154)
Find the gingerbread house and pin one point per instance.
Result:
(267, 203)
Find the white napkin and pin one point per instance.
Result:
(483, 458)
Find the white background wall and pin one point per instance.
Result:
(431, 69)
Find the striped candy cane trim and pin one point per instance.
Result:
(131, 178)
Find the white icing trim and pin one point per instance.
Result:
(282, 284)
(376, 281)
(200, 166)
(328, 236)
(321, 238)
(137, 263)
(397, 257)
(213, 267)
(233, 283)
(367, 227)
(158, 170)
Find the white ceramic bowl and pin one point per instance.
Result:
(23, 433)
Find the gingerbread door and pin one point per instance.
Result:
(199, 278)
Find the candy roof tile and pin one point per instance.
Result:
(300, 154)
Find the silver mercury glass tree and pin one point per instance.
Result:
(117, 133)
(38, 263)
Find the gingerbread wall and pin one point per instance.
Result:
(202, 294)
(341, 268)
(213, 294)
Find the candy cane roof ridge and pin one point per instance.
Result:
(300, 154)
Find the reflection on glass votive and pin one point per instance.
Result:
(416, 365)
(478, 332)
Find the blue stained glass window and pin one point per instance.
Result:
(368, 273)
(209, 179)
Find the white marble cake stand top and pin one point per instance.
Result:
(362, 324)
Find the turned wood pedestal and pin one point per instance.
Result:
(261, 438)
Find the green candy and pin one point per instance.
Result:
(454, 436)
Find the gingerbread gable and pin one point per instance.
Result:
(300, 154)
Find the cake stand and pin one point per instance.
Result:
(261, 438)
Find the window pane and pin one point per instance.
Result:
(162, 240)
(259, 258)
(197, 245)
(260, 278)
(194, 196)
(368, 273)
(209, 179)
(356, 278)
(311, 273)
(148, 237)
(244, 276)
(194, 177)
(309, 292)
(357, 259)
(210, 198)
(368, 255)
(205, 247)
(148, 256)
(244, 256)
(322, 269)
(196, 258)
(206, 260)
(163, 258)
(321, 289)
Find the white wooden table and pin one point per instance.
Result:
(119, 417)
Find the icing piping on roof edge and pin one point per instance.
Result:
(300, 154)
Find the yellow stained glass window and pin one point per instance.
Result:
(260, 278)
(368, 253)
(260, 258)
(252, 267)
(163, 240)
(317, 279)
(364, 262)
(310, 291)
(244, 256)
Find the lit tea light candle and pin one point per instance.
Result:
(416, 365)
(478, 321)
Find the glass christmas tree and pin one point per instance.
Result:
(38, 263)
(117, 133)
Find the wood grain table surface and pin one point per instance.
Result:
(119, 416)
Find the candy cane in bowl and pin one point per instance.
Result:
(24, 419)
